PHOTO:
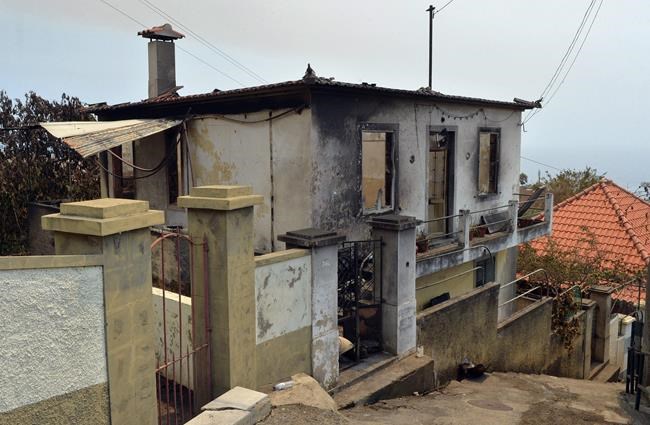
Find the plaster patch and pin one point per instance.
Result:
(283, 297)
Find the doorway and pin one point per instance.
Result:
(440, 182)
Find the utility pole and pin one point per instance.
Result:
(432, 13)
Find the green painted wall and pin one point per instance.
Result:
(456, 286)
(85, 406)
(281, 357)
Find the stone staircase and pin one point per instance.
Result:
(388, 378)
(604, 372)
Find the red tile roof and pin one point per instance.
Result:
(619, 221)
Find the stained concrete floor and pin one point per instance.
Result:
(499, 399)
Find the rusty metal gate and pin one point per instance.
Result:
(359, 298)
(183, 364)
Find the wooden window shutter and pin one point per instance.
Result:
(484, 163)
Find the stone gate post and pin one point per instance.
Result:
(222, 216)
(324, 299)
(397, 261)
(118, 230)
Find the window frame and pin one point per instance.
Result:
(494, 168)
(393, 129)
(492, 268)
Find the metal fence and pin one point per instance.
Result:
(183, 363)
(359, 296)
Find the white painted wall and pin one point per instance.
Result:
(51, 332)
(283, 298)
(178, 330)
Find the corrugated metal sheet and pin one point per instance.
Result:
(91, 137)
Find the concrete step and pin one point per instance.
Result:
(609, 373)
(363, 370)
(400, 378)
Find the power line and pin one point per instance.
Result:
(123, 13)
(203, 41)
(563, 62)
(541, 163)
(578, 53)
(576, 36)
(443, 7)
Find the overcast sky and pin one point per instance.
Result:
(485, 48)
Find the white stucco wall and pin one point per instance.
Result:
(283, 298)
(178, 329)
(51, 333)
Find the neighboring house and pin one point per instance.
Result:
(619, 222)
(329, 155)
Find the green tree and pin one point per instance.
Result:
(35, 166)
(584, 265)
(568, 182)
(523, 179)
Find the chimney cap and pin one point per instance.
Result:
(161, 32)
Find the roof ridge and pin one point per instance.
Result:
(577, 195)
(629, 230)
(635, 196)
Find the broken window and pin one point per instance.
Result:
(377, 170)
(121, 184)
(488, 165)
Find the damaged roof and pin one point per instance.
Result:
(299, 89)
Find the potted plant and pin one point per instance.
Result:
(421, 242)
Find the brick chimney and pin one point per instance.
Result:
(162, 58)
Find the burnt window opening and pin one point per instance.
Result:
(377, 170)
(440, 179)
(121, 183)
(488, 167)
(176, 170)
(485, 271)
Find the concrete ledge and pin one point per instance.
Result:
(280, 256)
(524, 311)
(432, 310)
(101, 226)
(220, 191)
(104, 208)
(49, 261)
(223, 417)
(256, 404)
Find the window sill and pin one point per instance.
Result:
(383, 211)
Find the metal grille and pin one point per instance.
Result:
(359, 296)
(183, 365)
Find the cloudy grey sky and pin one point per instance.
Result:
(487, 48)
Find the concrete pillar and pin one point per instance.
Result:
(397, 234)
(513, 207)
(589, 307)
(602, 295)
(222, 216)
(324, 299)
(465, 222)
(118, 229)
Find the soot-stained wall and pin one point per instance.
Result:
(336, 155)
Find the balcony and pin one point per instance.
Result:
(480, 233)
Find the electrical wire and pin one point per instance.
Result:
(558, 70)
(153, 170)
(551, 84)
(203, 41)
(541, 163)
(443, 7)
(123, 13)
(578, 53)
